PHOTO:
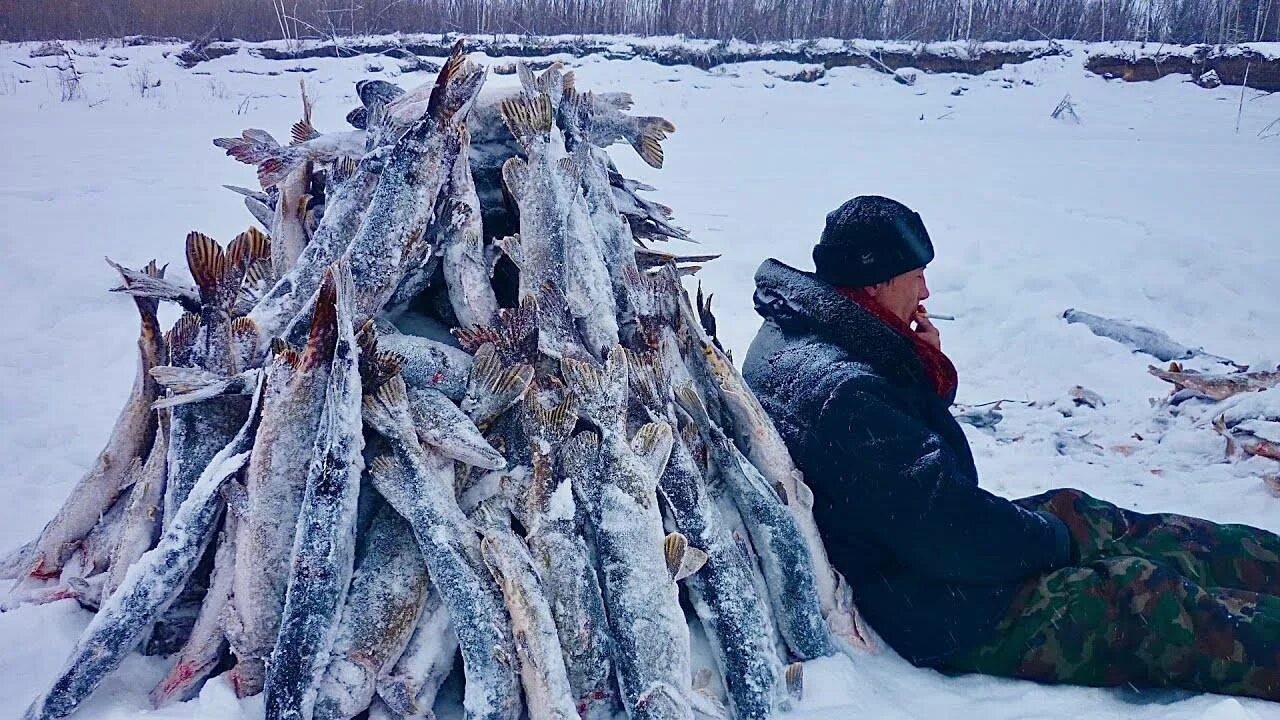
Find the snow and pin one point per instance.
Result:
(1152, 208)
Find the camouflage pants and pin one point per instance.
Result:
(1156, 600)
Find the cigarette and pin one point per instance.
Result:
(935, 316)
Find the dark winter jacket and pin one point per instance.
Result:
(934, 561)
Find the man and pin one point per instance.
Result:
(1060, 587)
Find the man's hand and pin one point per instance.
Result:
(925, 329)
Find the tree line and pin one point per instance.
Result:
(1167, 21)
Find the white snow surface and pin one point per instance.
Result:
(1152, 208)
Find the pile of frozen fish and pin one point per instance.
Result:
(450, 403)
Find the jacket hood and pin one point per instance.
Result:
(799, 302)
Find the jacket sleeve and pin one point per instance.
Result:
(904, 487)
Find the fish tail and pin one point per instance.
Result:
(181, 339)
(648, 379)
(580, 458)
(324, 324)
(793, 677)
(551, 424)
(493, 387)
(303, 131)
(683, 559)
(648, 136)
(691, 403)
(245, 338)
(249, 247)
(209, 266)
(387, 410)
(385, 469)
(652, 446)
(529, 119)
(257, 147)
(601, 392)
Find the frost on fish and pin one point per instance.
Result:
(430, 365)
(754, 431)
(563, 561)
(723, 593)
(130, 438)
(409, 687)
(388, 593)
(443, 426)
(296, 388)
(784, 557)
(1138, 338)
(547, 692)
(616, 485)
(419, 485)
(324, 545)
(200, 655)
(148, 588)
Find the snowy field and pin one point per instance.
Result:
(1153, 207)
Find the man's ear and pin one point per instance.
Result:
(874, 290)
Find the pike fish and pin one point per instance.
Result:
(1138, 338)
(409, 687)
(130, 439)
(547, 693)
(783, 553)
(419, 485)
(466, 269)
(323, 555)
(1219, 386)
(552, 241)
(293, 403)
(617, 482)
(564, 564)
(723, 592)
(150, 585)
(140, 526)
(200, 655)
(754, 431)
(430, 365)
(388, 593)
(614, 236)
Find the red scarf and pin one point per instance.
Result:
(937, 365)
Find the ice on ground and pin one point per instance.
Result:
(1152, 208)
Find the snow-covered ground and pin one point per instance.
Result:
(1153, 207)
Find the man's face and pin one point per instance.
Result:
(902, 294)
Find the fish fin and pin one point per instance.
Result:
(473, 338)
(553, 425)
(648, 140)
(551, 81)
(580, 460)
(255, 194)
(619, 100)
(794, 679)
(248, 248)
(282, 351)
(385, 468)
(601, 392)
(691, 403)
(528, 82)
(303, 131)
(324, 323)
(652, 446)
(683, 559)
(648, 379)
(208, 265)
(244, 342)
(529, 119)
(181, 339)
(674, 548)
(493, 387)
(571, 169)
(251, 148)
(451, 68)
(258, 278)
(515, 176)
(387, 410)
